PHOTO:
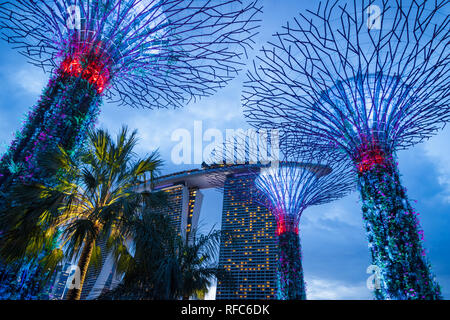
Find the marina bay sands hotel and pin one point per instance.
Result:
(248, 251)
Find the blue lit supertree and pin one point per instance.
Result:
(361, 81)
(141, 53)
(286, 187)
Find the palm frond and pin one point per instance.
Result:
(51, 261)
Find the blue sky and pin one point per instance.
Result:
(335, 252)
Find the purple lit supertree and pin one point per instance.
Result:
(287, 188)
(362, 81)
(141, 53)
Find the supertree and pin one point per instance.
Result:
(141, 53)
(287, 187)
(362, 81)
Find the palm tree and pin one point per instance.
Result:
(95, 196)
(190, 267)
(154, 237)
(164, 266)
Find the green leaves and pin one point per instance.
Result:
(52, 260)
(93, 199)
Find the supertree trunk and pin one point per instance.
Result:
(291, 285)
(66, 111)
(68, 107)
(395, 237)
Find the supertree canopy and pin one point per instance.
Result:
(361, 81)
(142, 53)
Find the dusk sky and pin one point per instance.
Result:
(335, 252)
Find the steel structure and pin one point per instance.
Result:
(361, 81)
(142, 53)
(288, 189)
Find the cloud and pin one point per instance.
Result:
(330, 289)
(437, 151)
(331, 216)
(30, 79)
(155, 127)
(324, 289)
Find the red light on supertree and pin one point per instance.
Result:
(92, 70)
(368, 156)
(285, 226)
